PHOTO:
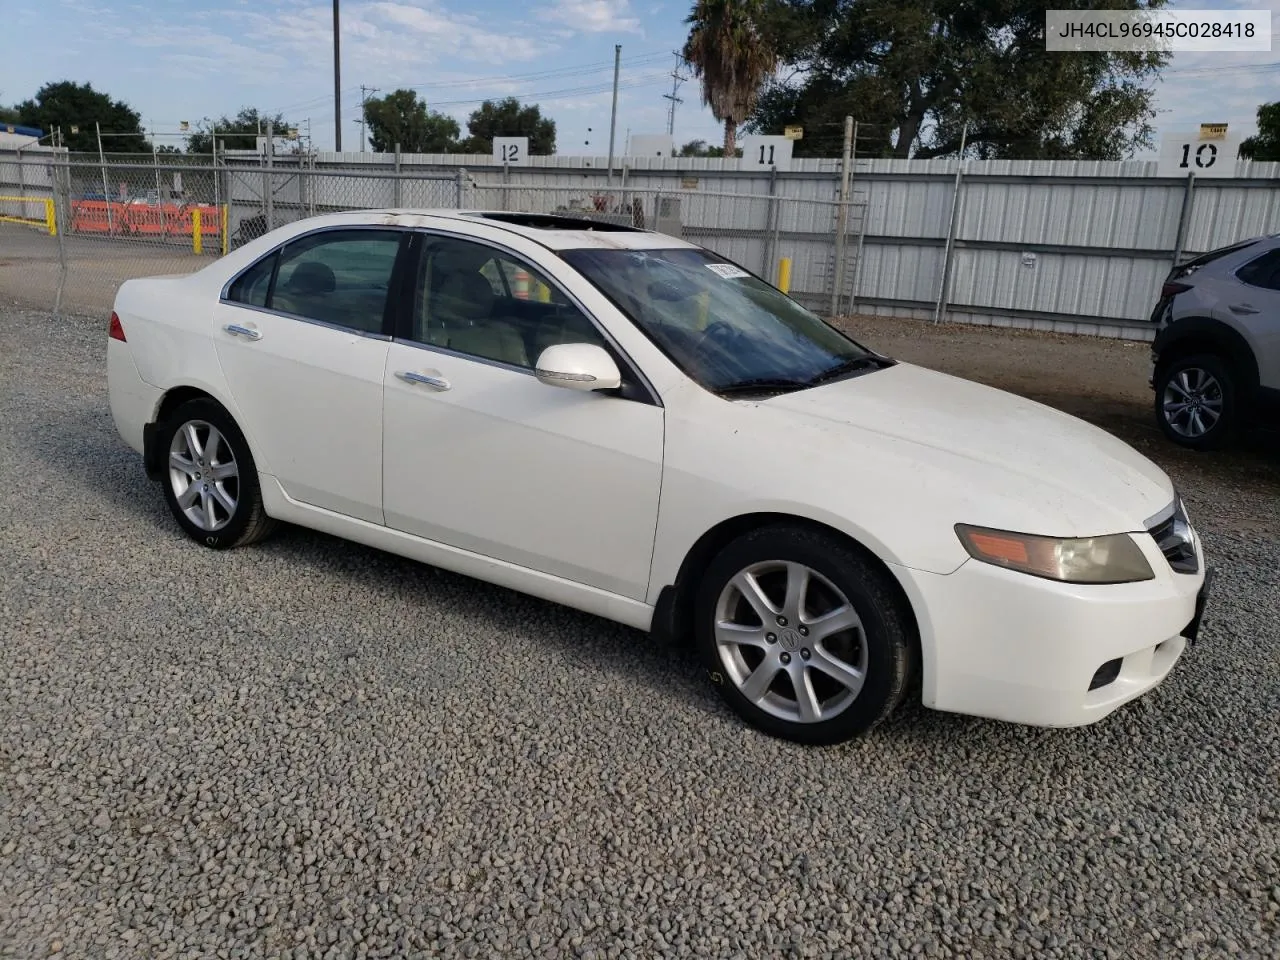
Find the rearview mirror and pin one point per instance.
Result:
(578, 366)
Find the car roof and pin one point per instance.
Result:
(558, 232)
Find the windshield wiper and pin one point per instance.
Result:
(761, 385)
(845, 367)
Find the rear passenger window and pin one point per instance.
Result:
(340, 277)
(252, 286)
(1262, 272)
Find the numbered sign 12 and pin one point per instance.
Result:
(1184, 153)
(513, 151)
(762, 153)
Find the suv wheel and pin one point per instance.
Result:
(1196, 401)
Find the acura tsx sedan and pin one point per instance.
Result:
(631, 425)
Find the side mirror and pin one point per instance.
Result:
(578, 366)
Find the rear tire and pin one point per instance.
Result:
(803, 635)
(210, 480)
(1196, 401)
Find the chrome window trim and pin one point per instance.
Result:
(458, 354)
(353, 331)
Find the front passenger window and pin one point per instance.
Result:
(485, 303)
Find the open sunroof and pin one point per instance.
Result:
(550, 221)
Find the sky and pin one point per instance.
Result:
(188, 60)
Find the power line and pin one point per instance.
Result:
(595, 66)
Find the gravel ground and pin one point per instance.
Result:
(309, 748)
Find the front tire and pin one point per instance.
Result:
(803, 635)
(209, 477)
(1196, 401)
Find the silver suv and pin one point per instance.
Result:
(1215, 362)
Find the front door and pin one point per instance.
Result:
(480, 455)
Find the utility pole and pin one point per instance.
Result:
(364, 98)
(337, 85)
(676, 79)
(613, 114)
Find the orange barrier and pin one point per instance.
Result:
(144, 220)
(97, 216)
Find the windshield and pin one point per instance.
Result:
(725, 328)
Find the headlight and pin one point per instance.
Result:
(1110, 559)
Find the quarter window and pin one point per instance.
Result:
(480, 301)
(252, 286)
(1262, 272)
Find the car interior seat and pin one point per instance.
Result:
(461, 309)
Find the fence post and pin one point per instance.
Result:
(771, 227)
(842, 216)
(461, 180)
(267, 186)
(1184, 217)
(62, 194)
(948, 250)
(397, 191)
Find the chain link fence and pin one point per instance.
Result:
(72, 229)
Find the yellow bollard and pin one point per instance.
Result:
(224, 229)
(197, 237)
(50, 220)
(784, 274)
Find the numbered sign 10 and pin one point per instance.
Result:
(512, 151)
(1184, 153)
(763, 153)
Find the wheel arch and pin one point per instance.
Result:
(1191, 335)
(673, 612)
(172, 398)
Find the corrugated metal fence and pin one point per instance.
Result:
(1069, 245)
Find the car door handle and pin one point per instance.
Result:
(412, 376)
(1244, 308)
(247, 332)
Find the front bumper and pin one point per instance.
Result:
(1012, 647)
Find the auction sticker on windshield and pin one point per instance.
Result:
(727, 270)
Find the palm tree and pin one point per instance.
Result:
(731, 58)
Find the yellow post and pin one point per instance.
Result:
(784, 274)
(224, 230)
(197, 237)
(50, 220)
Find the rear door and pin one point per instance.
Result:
(1251, 303)
(302, 337)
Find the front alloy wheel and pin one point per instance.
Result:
(804, 634)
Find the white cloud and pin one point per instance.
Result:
(594, 16)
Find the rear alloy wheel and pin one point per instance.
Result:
(210, 481)
(803, 635)
(1196, 401)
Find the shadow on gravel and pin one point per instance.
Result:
(580, 639)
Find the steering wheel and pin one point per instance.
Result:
(718, 332)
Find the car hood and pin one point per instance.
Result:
(1056, 467)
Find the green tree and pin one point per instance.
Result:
(9, 114)
(700, 148)
(401, 117)
(913, 73)
(1265, 144)
(66, 104)
(732, 53)
(508, 118)
(240, 132)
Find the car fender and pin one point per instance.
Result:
(1196, 334)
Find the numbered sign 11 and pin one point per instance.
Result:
(513, 151)
(762, 153)
(1184, 153)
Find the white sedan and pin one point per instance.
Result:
(628, 424)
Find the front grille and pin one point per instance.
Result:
(1173, 536)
